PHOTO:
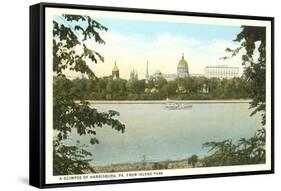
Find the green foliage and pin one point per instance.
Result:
(251, 150)
(187, 89)
(252, 39)
(70, 159)
(193, 160)
(71, 113)
(245, 151)
(160, 165)
(66, 39)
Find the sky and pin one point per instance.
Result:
(131, 43)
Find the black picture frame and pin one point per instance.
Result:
(37, 94)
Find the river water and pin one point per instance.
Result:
(160, 134)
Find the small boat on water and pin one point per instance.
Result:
(177, 106)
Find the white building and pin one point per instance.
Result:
(158, 74)
(196, 75)
(221, 72)
(170, 77)
(133, 75)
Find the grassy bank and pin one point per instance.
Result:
(139, 166)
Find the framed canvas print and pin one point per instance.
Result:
(122, 95)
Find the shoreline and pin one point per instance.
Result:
(145, 166)
(165, 101)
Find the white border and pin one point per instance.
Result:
(50, 12)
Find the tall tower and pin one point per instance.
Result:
(146, 73)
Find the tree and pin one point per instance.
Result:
(245, 151)
(252, 150)
(70, 111)
(193, 160)
(172, 87)
(160, 82)
(251, 39)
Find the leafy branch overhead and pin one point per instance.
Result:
(90, 31)
(66, 41)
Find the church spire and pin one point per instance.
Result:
(146, 74)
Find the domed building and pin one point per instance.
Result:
(182, 69)
(115, 71)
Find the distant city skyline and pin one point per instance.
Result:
(132, 43)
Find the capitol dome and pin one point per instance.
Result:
(115, 71)
(182, 69)
(115, 68)
(183, 62)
